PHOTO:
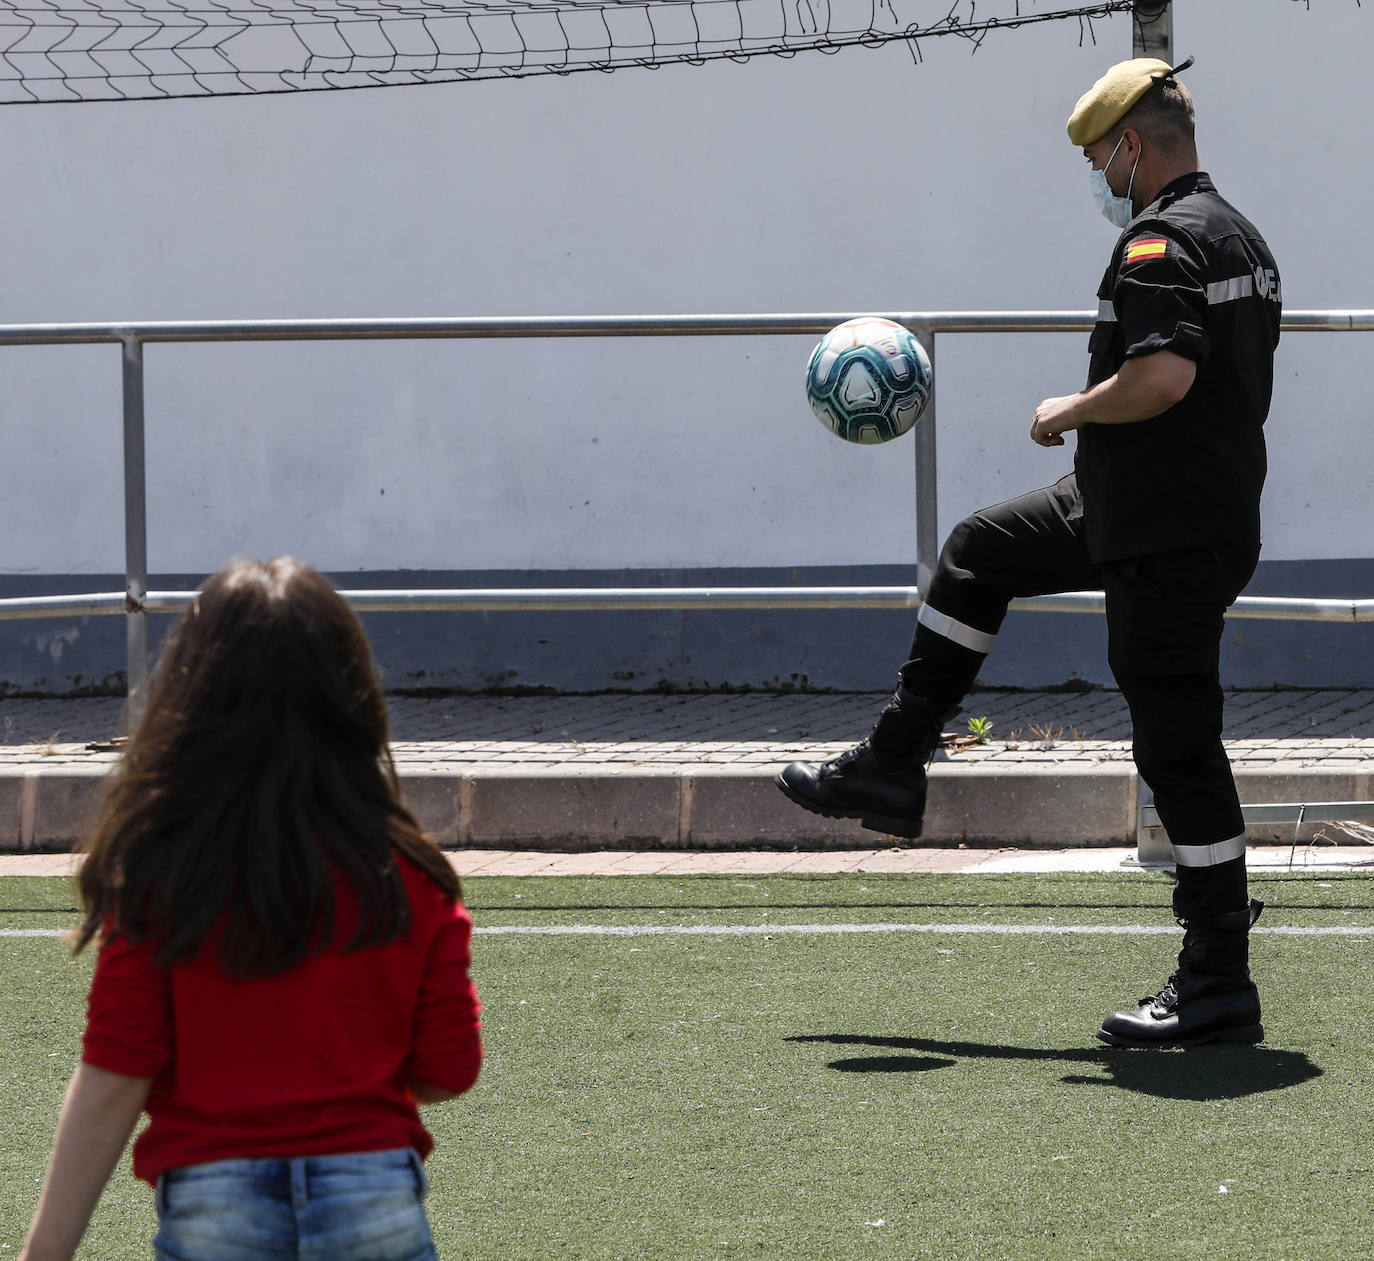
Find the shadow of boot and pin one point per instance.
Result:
(1198, 1073)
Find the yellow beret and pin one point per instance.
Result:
(1104, 104)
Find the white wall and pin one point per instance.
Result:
(846, 183)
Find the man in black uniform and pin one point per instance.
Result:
(1161, 512)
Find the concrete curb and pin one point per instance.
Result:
(719, 808)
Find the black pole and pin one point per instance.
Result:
(1152, 29)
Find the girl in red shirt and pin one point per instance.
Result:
(283, 966)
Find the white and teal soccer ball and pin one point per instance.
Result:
(868, 380)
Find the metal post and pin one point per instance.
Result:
(1153, 847)
(1152, 35)
(135, 526)
(927, 504)
(1152, 29)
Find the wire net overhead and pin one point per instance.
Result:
(89, 50)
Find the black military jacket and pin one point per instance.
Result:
(1192, 275)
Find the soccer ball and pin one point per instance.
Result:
(868, 380)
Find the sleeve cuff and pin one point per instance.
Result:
(115, 1057)
(1187, 340)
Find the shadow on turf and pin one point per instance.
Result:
(1210, 1072)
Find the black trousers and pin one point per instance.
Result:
(1165, 613)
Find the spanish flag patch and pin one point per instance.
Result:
(1145, 247)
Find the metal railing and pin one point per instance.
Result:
(136, 602)
(1153, 848)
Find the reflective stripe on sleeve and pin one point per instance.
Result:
(1210, 855)
(1106, 312)
(964, 636)
(1230, 290)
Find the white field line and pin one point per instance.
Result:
(822, 930)
(769, 930)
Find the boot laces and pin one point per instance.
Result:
(840, 761)
(1166, 999)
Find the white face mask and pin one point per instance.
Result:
(1116, 210)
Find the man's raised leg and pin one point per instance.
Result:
(1031, 545)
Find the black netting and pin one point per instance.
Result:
(88, 50)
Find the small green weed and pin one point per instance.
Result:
(980, 729)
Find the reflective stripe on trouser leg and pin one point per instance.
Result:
(1027, 546)
(1210, 855)
(965, 636)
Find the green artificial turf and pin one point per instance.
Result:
(867, 1095)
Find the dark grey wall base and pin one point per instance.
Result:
(702, 651)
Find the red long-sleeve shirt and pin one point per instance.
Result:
(315, 1061)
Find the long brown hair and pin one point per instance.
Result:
(260, 766)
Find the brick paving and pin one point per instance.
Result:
(1297, 728)
(682, 772)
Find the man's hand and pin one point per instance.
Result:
(1054, 418)
(1142, 388)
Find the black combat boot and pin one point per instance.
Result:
(882, 780)
(1209, 999)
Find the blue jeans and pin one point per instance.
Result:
(362, 1207)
